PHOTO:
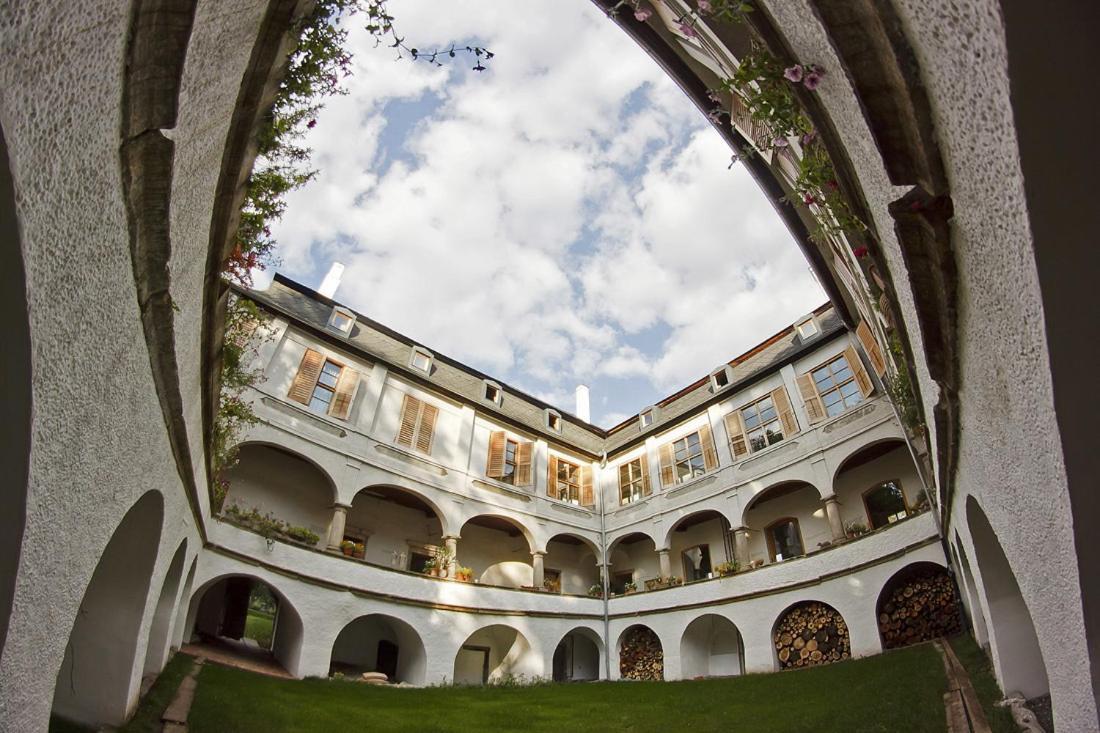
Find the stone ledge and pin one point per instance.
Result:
(296, 414)
(502, 489)
(410, 459)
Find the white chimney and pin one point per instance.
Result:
(332, 280)
(583, 411)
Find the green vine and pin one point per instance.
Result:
(900, 388)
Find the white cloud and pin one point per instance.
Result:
(545, 210)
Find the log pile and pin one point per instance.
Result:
(920, 608)
(641, 656)
(811, 634)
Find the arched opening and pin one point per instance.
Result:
(711, 647)
(179, 625)
(379, 643)
(497, 550)
(917, 604)
(885, 504)
(577, 656)
(698, 543)
(633, 559)
(810, 633)
(1017, 656)
(878, 485)
(15, 372)
(977, 616)
(495, 654)
(784, 521)
(96, 681)
(267, 480)
(394, 527)
(571, 565)
(156, 650)
(245, 618)
(641, 656)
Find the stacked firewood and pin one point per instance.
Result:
(921, 608)
(640, 656)
(811, 634)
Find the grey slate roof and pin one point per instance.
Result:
(379, 343)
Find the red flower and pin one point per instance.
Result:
(860, 251)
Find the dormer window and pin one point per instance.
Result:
(341, 320)
(807, 329)
(720, 378)
(421, 360)
(492, 392)
(647, 418)
(553, 420)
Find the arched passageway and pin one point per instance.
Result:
(711, 647)
(697, 543)
(497, 550)
(810, 633)
(380, 643)
(179, 624)
(977, 615)
(249, 618)
(571, 564)
(494, 654)
(274, 481)
(1016, 654)
(633, 559)
(394, 527)
(641, 656)
(918, 603)
(784, 521)
(156, 650)
(96, 683)
(577, 656)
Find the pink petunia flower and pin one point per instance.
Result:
(780, 142)
(793, 73)
(860, 251)
(809, 137)
(642, 14)
(809, 199)
(688, 30)
(812, 80)
(704, 6)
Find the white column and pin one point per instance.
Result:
(451, 543)
(336, 528)
(832, 510)
(538, 574)
(666, 563)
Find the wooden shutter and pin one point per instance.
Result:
(588, 497)
(410, 410)
(710, 456)
(644, 462)
(815, 409)
(552, 478)
(523, 463)
(494, 466)
(782, 404)
(426, 428)
(870, 347)
(864, 381)
(668, 474)
(736, 430)
(309, 371)
(345, 391)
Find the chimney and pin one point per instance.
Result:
(583, 411)
(332, 280)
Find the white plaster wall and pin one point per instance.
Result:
(390, 528)
(577, 564)
(804, 505)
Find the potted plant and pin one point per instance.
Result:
(857, 529)
(552, 584)
(429, 566)
(347, 547)
(360, 550)
(464, 574)
(725, 569)
(630, 586)
(596, 590)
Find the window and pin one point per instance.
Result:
(570, 482)
(720, 378)
(341, 320)
(784, 539)
(885, 504)
(807, 329)
(553, 420)
(762, 426)
(509, 460)
(633, 480)
(836, 385)
(417, 426)
(620, 580)
(508, 472)
(418, 560)
(697, 563)
(645, 419)
(551, 580)
(421, 360)
(324, 385)
(689, 457)
(492, 392)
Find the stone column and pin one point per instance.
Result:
(666, 563)
(832, 509)
(450, 542)
(336, 528)
(537, 574)
(741, 546)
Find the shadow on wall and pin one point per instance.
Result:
(380, 643)
(494, 654)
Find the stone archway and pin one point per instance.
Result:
(493, 654)
(711, 646)
(641, 656)
(577, 656)
(157, 648)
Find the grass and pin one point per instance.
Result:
(147, 717)
(898, 691)
(978, 666)
(258, 627)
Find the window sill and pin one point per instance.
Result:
(695, 482)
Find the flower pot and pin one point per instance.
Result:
(349, 551)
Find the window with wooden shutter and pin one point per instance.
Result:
(524, 474)
(633, 480)
(764, 423)
(417, 427)
(588, 496)
(345, 392)
(494, 466)
(566, 480)
(839, 384)
(552, 478)
(787, 419)
(736, 431)
(815, 410)
(668, 475)
(301, 389)
(710, 455)
(866, 386)
(871, 348)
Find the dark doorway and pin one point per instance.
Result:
(387, 659)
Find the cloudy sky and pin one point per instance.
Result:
(565, 217)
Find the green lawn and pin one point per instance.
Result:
(258, 627)
(897, 691)
(977, 665)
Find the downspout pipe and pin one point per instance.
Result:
(605, 578)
